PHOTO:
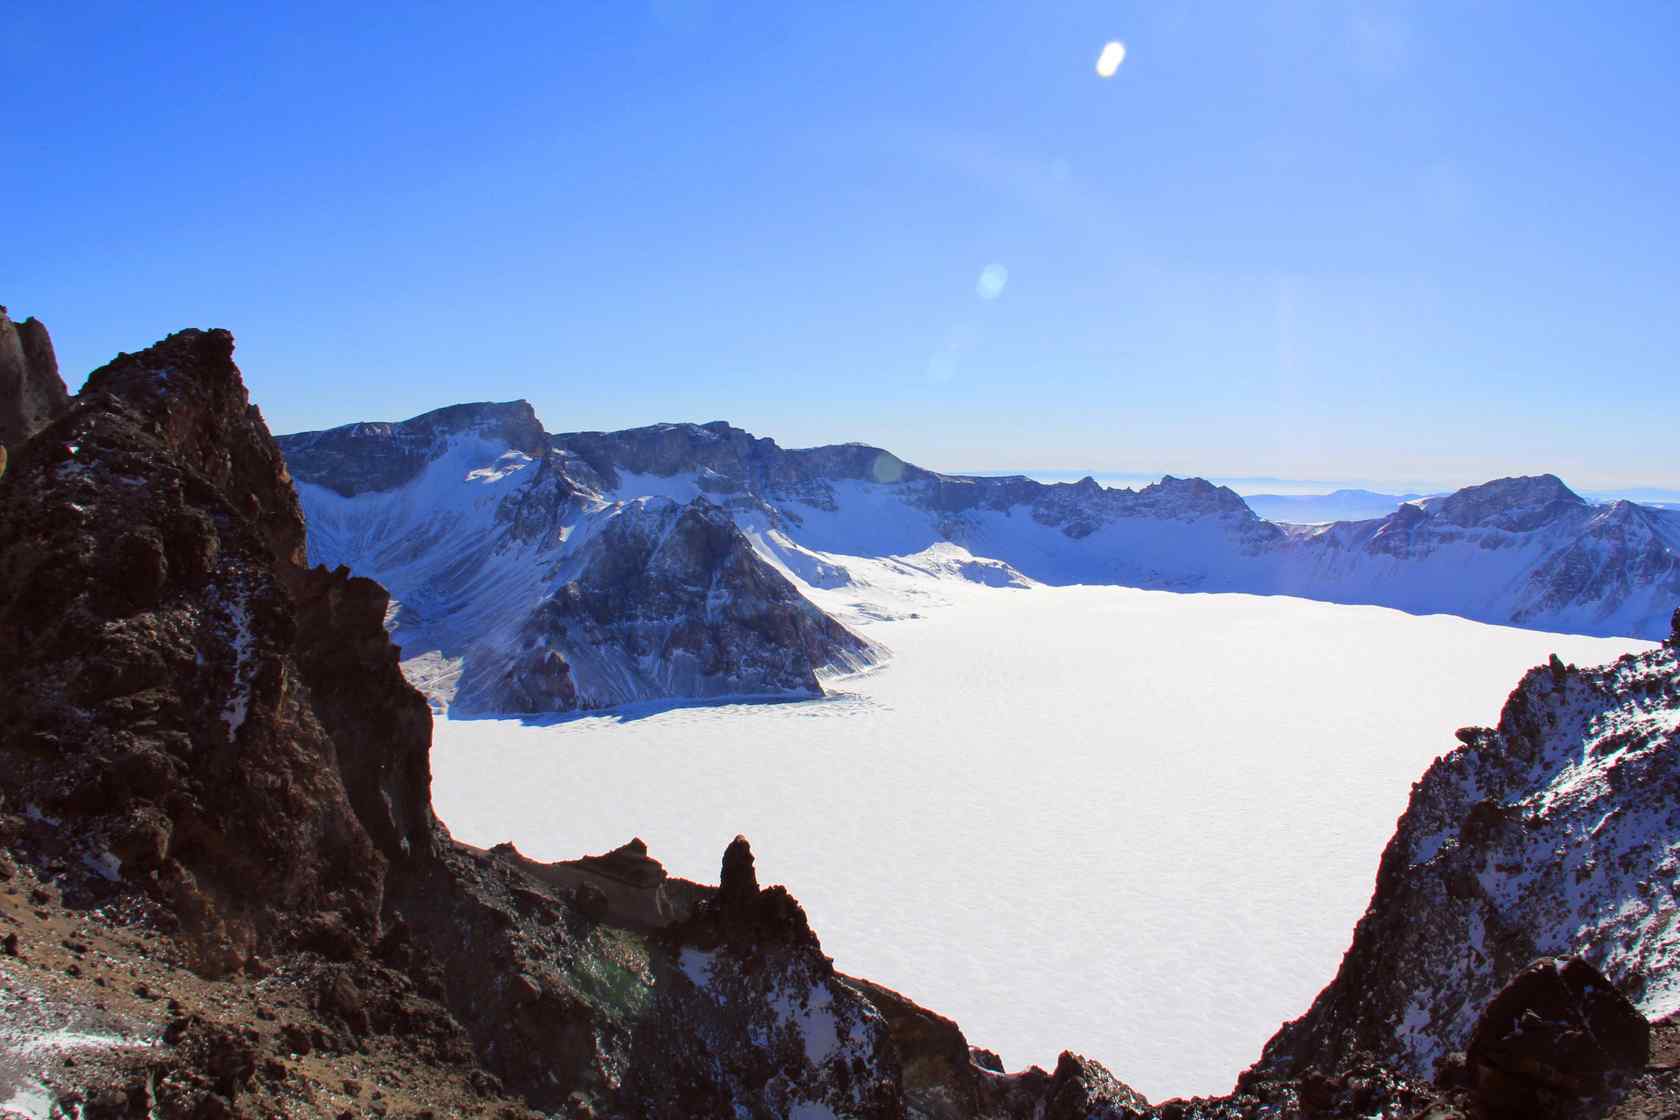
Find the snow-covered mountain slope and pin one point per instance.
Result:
(1558, 832)
(543, 573)
(520, 588)
(1517, 551)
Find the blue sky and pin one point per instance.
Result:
(1386, 242)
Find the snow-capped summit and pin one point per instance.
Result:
(523, 581)
(359, 458)
(1521, 551)
(1514, 504)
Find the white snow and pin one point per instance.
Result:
(810, 1110)
(105, 864)
(697, 966)
(811, 1012)
(680, 488)
(1136, 824)
(36, 1032)
(237, 707)
(1411, 1036)
(30, 1100)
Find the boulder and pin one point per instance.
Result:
(1550, 1036)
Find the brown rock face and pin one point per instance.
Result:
(31, 392)
(203, 716)
(1550, 1036)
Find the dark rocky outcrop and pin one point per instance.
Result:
(159, 640)
(31, 392)
(1551, 1037)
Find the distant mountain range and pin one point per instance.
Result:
(541, 572)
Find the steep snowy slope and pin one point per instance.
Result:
(518, 587)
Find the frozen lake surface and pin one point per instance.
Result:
(1133, 824)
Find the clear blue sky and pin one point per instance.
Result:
(1436, 242)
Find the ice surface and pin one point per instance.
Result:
(1136, 824)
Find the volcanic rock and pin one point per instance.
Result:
(31, 392)
(1550, 1036)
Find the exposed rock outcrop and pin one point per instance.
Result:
(159, 644)
(1551, 1037)
(31, 392)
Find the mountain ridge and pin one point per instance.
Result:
(1524, 551)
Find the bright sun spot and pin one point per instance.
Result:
(1113, 54)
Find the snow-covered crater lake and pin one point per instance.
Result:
(1133, 824)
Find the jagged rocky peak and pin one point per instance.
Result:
(1515, 504)
(31, 392)
(375, 455)
(1195, 495)
(203, 721)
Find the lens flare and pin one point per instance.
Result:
(1113, 54)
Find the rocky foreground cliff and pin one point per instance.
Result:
(225, 894)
